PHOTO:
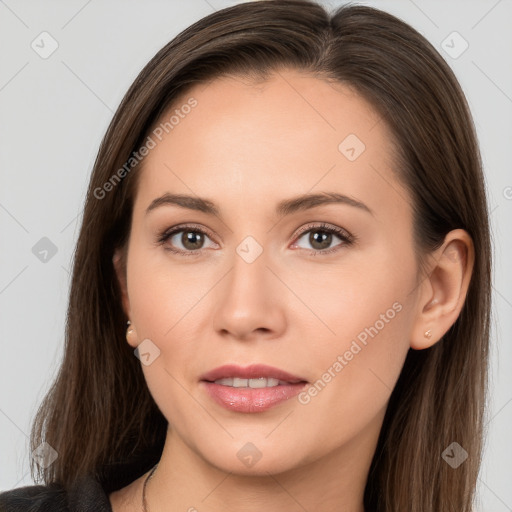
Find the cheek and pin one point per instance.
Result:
(164, 303)
(164, 293)
(364, 295)
(356, 369)
(168, 302)
(370, 340)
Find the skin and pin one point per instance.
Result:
(246, 147)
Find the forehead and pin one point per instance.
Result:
(291, 104)
(255, 139)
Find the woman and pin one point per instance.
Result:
(281, 288)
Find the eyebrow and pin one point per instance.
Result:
(283, 208)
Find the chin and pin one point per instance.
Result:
(246, 458)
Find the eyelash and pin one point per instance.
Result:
(346, 237)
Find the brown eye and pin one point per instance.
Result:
(192, 240)
(320, 238)
(184, 240)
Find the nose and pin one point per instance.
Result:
(250, 300)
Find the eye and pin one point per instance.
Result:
(320, 237)
(191, 239)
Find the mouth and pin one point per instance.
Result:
(257, 383)
(255, 388)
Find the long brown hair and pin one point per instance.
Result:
(99, 415)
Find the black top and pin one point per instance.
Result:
(87, 495)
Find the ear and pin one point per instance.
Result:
(119, 262)
(443, 291)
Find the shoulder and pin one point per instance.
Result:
(34, 498)
(86, 495)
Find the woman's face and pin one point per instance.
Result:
(246, 286)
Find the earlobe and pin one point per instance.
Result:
(131, 335)
(443, 293)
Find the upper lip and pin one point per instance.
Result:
(250, 372)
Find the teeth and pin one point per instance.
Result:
(260, 382)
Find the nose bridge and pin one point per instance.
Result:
(248, 279)
(248, 299)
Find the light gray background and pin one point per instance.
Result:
(54, 112)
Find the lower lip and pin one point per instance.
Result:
(252, 399)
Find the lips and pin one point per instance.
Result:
(256, 388)
(251, 372)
